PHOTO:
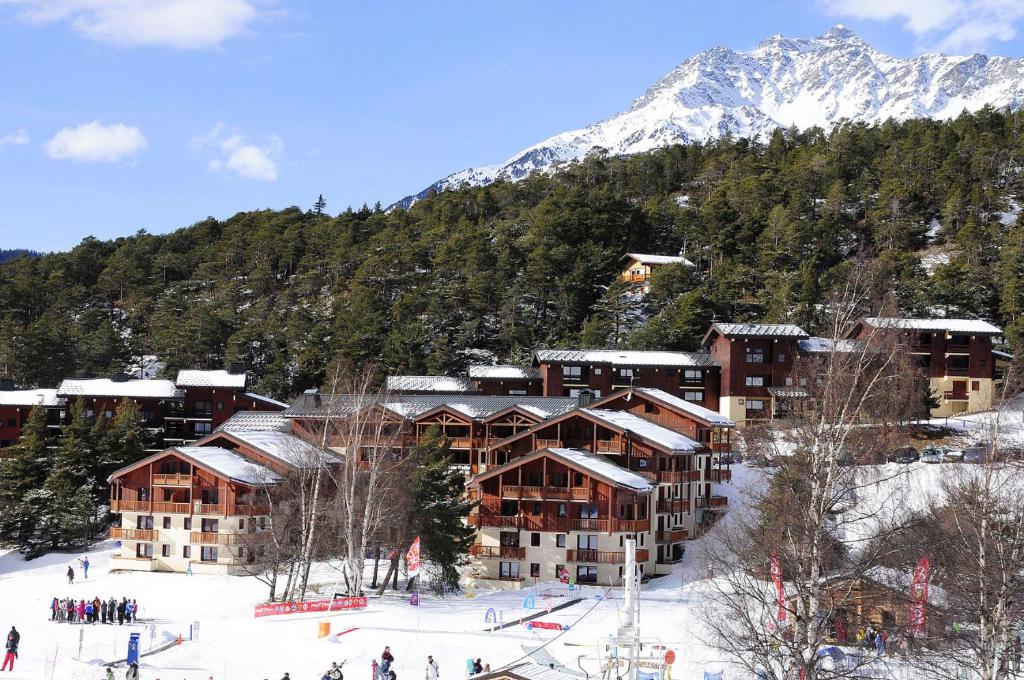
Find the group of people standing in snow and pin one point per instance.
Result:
(94, 611)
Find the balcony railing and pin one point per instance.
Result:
(247, 510)
(610, 446)
(957, 371)
(671, 536)
(123, 534)
(952, 348)
(460, 442)
(561, 524)
(675, 505)
(498, 552)
(541, 492)
(172, 480)
(603, 557)
(694, 475)
(720, 476)
(129, 506)
(955, 396)
(171, 507)
(215, 538)
(549, 443)
(634, 278)
(712, 501)
(670, 476)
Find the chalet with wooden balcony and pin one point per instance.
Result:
(636, 268)
(200, 505)
(692, 376)
(957, 355)
(188, 507)
(560, 508)
(159, 400)
(15, 406)
(678, 466)
(469, 422)
(754, 358)
(506, 380)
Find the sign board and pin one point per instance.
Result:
(283, 608)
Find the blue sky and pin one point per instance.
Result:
(117, 115)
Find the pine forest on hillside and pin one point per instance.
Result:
(496, 271)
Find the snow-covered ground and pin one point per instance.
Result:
(233, 644)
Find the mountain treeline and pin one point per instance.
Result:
(495, 271)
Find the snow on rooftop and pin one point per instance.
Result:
(427, 383)
(283, 446)
(503, 372)
(263, 397)
(219, 378)
(624, 357)
(949, 325)
(644, 258)
(230, 464)
(761, 329)
(248, 421)
(42, 397)
(826, 345)
(605, 468)
(695, 410)
(105, 387)
(669, 439)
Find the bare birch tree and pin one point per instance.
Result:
(976, 537)
(853, 394)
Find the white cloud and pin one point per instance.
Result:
(17, 138)
(96, 143)
(948, 25)
(240, 156)
(185, 24)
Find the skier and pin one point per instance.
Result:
(135, 610)
(432, 669)
(110, 674)
(71, 574)
(375, 668)
(133, 672)
(85, 566)
(120, 611)
(335, 672)
(129, 612)
(111, 610)
(477, 667)
(80, 611)
(103, 612)
(386, 659)
(286, 677)
(89, 611)
(53, 609)
(13, 640)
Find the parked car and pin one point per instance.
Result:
(954, 455)
(906, 455)
(973, 454)
(933, 455)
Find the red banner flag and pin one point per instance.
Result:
(776, 571)
(919, 598)
(412, 558)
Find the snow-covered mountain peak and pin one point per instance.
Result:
(782, 82)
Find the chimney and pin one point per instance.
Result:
(237, 368)
(584, 398)
(119, 377)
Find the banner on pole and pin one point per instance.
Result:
(412, 558)
(414, 599)
(919, 598)
(776, 571)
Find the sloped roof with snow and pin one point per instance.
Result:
(826, 345)
(645, 429)
(695, 410)
(770, 330)
(427, 383)
(230, 464)
(645, 258)
(476, 406)
(218, 378)
(504, 372)
(603, 467)
(258, 421)
(624, 358)
(105, 387)
(970, 326)
(287, 448)
(42, 397)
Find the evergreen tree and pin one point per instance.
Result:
(438, 507)
(25, 470)
(319, 206)
(121, 443)
(72, 484)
